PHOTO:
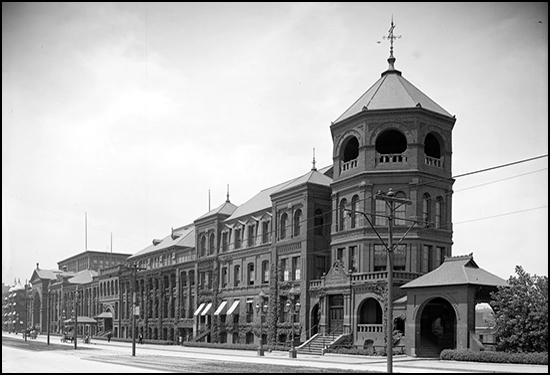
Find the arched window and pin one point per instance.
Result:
(265, 272)
(426, 208)
(431, 146)
(297, 222)
(438, 212)
(351, 149)
(212, 244)
(354, 202)
(203, 246)
(391, 142)
(237, 275)
(343, 203)
(400, 210)
(318, 222)
(284, 223)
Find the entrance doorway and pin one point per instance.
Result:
(336, 314)
(315, 320)
(437, 328)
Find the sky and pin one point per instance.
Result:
(128, 116)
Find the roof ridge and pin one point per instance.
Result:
(375, 91)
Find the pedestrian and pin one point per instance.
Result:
(140, 338)
(109, 337)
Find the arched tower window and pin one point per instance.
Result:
(354, 202)
(284, 223)
(342, 223)
(426, 208)
(391, 142)
(351, 149)
(431, 146)
(297, 222)
(318, 222)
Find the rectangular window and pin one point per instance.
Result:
(380, 212)
(224, 277)
(296, 268)
(237, 276)
(400, 258)
(353, 258)
(340, 254)
(284, 268)
(320, 266)
(380, 258)
(443, 253)
(251, 274)
(265, 272)
(426, 258)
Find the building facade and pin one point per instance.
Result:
(312, 250)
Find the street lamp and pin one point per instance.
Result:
(63, 317)
(261, 310)
(292, 308)
(48, 311)
(26, 317)
(75, 312)
(134, 268)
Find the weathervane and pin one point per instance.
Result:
(391, 37)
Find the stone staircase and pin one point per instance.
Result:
(317, 343)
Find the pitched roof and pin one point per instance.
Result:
(83, 277)
(392, 91)
(227, 208)
(182, 237)
(262, 200)
(459, 270)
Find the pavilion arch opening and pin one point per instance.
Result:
(437, 328)
(315, 319)
(391, 142)
(370, 312)
(432, 148)
(351, 149)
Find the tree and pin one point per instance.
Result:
(521, 313)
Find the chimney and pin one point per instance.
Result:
(37, 266)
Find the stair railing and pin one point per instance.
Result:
(308, 345)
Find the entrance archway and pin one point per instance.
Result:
(437, 328)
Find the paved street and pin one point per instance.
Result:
(103, 357)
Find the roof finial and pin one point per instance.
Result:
(227, 200)
(208, 200)
(313, 162)
(391, 37)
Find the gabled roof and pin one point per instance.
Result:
(459, 270)
(312, 177)
(227, 208)
(181, 237)
(83, 277)
(262, 200)
(392, 91)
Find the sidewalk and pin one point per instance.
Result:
(121, 352)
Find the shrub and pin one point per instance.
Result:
(495, 357)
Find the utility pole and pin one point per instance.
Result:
(390, 200)
(134, 270)
(48, 310)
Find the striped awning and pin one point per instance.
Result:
(220, 308)
(233, 307)
(206, 309)
(198, 310)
